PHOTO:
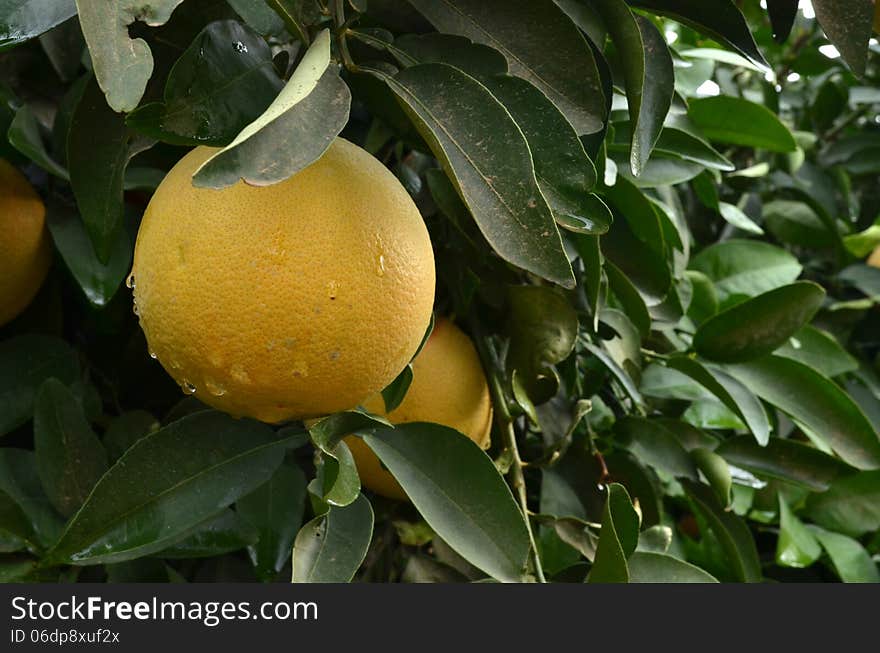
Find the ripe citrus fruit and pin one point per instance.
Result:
(874, 258)
(286, 301)
(25, 251)
(448, 387)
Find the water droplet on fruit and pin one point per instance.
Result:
(214, 388)
(332, 289)
(129, 282)
(240, 47)
(188, 388)
(153, 355)
(380, 265)
(135, 309)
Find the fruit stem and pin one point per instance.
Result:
(504, 422)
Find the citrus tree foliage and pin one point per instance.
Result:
(651, 216)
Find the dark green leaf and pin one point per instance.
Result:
(337, 482)
(732, 533)
(631, 301)
(122, 65)
(25, 363)
(654, 445)
(796, 546)
(787, 460)
(275, 509)
(648, 74)
(849, 558)
(717, 473)
(21, 20)
(746, 267)
(21, 483)
(16, 532)
(617, 539)
(817, 403)
(759, 325)
(738, 398)
(145, 503)
(221, 83)
(850, 506)
(819, 350)
(736, 121)
(292, 133)
(395, 392)
(258, 15)
(70, 458)
(459, 492)
(297, 15)
(782, 15)
(24, 135)
(329, 431)
(848, 26)
(645, 567)
(579, 97)
(222, 534)
(485, 155)
(661, 170)
(331, 547)
(127, 429)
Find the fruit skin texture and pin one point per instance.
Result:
(288, 301)
(448, 387)
(25, 250)
(874, 258)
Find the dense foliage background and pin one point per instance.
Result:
(650, 215)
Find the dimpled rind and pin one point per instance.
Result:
(449, 387)
(288, 301)
(25, 250)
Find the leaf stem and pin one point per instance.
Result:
(341, 37)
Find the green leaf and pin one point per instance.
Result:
(24, 135)
(630, 300)
(143, 504)
(98, 151)
(485, 155)
(647, 567)
(719, 19)
(618, 372)
(275, 510)
(796, 546)
(127, 429)
(70, 458)
(690, 147)
(292, 133)
(22, 20)
(617, 539)
(459, 492)
(819, 404)
(717, 473)
(848, 26)
(21, 483)
(648, 75)
(746, 267)
(395, 392)
(760, 325)
(704, 302)
(656, 446)
(796, 223)
(543, 328)
(329, 431)
(736, 121)
(819, 350)
(225, 533)
(737, 218)
(732, 533)
(661, 170)
(297, 15)
(782, 15)
(738, 398)
(850, 506)
(16, 532)
(850, 559)
(579, 97)
(337, 482)
(98, 281)
(260, 17)
(122, 65)
(222, 82)
(786, 460)
(331, 547)
(25, 363)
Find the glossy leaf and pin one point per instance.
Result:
(331, 547)
(737, 218)
(579, 97)
(796, 546)
(477, 517)
(816, 402)
(647, 567)
(782, 15)
(20, 481)
(819, 350)
(70, 458)
(736, 121)
(222, 82)
(122, 65)
(617, 539)
(714, 468)
(143, 504)
(784, 459)
(21, 20)
(850, 506)
(654, 445)
(24, 135)
(746, 267)
(292, 133)
(849, 558)
(127, 429)
(477, 142)
(219, 535)
(275, 510)
(759, 325)
(848, 26)
(25, 363)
